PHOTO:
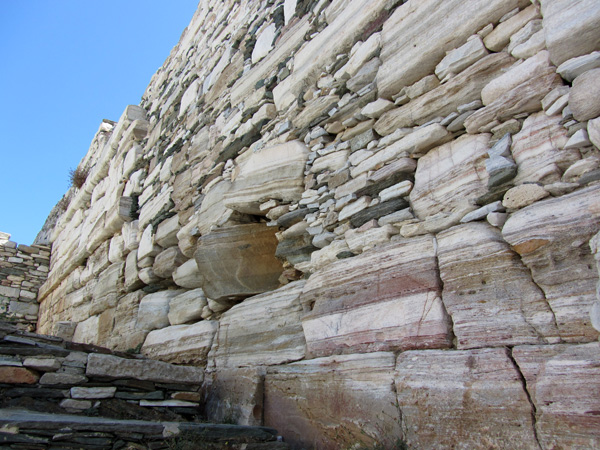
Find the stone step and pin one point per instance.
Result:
(44, 430)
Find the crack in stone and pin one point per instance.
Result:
(543, 294)
(401, 422)
(547, 302)
(523, 381)
(452, 336)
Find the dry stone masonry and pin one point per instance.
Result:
(23, 269)
(57, 394)
(366, 222)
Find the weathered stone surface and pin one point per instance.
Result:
(77, 405)
(235, 394)
(555, 101)
(445, 99)
(181, 344)
(264, 43)
(337, 37)
(357, 130)
(148, 276)
(154, 309)
(538, 150)
(155, 206)
(17, 375)
(295, 249)
(396, 217)
(353, 208)
(500, 36)
(292, 217)
(417, 142)
(450, 176)
(375, 109)
(125, 335)
(574, 67)
(500, 170)
(323, 403)
(100, 365)
(359, 143)
(147, 246)
(460, 58)
(584, 96)
(353, 186)
(463, 399)
(187, 275)
(571, 28)
(523, 195)
(93, 392)
(187, 307)
(537, 65)
(488, 291)
(62, 378)
(578, 140)
(23, 308)
(212, 211)
(87, 331)
(564, 384)
(377, 211)
(322, 257)
(397, 190)
(8, 291)
(345, 315)
(189, 97)
(264, 114)
(318, 107)
(522, 36)
(42, 364)
(238, 261)
(482, 212)
(560, 262)
(323, 239)
(166, 232)
(262, 330)
(109, 282)
(422, 86)
(524, 98)
(359, 241)
(167, 261)
(447, 24)
(358, 58)
(288, 42)
(365, 76)
(130, 235)
(534, 44)
(275, 172)
(116, 249)
(332, 161)
(580, 168)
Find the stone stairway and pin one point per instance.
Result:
(56, 394)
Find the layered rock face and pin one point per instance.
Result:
(368, 222)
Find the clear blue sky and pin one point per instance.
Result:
(66, 65)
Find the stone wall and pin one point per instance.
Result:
(368, 221)
(58, 394)
(23, 269)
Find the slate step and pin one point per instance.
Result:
(44, 430)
